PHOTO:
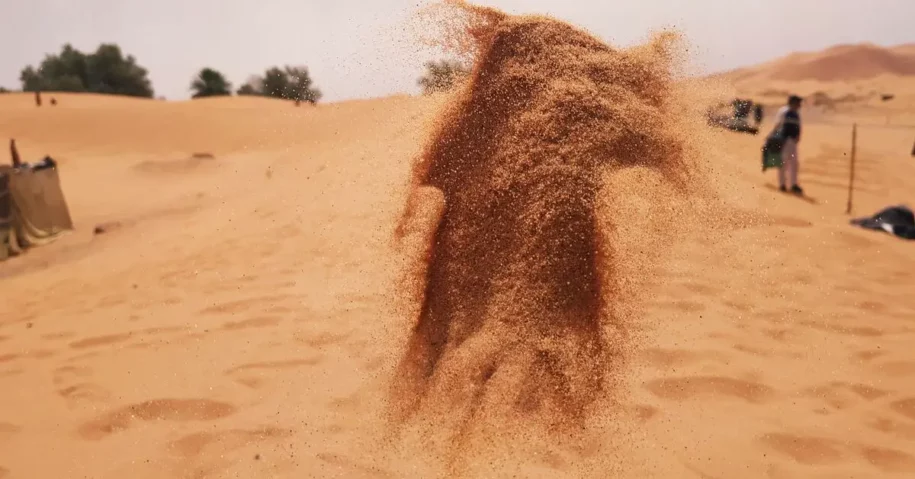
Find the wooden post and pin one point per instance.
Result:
(14, 153)
(851, 170)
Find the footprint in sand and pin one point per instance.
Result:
(841, 395)
(790, 222)
(241, 305)
(41, 354)
(233, 453)
(253, 374)
(72, 385)
(703, 289)
(667, 358)
(225, 441)
(58, 335)
(872, 306)
(33, 354)
(740, 306)
(643, 412)
(816, 451)
(836, 328)
(754, 350)
(690, 387)
(112, 339)
(687, 306)
(354, 466)
(896, 369)
(181, 410)
(807, 450)
(888, 460)
(106, 340)
(320, 339)
(7, 431)
(252, 323)
(229, 307)
(869, 355)
(895, 427)
(906, 407)
(779, 334)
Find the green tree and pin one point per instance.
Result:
(288, 83)
(247, 90)
(442, 75)
(106, 70)
(210, 82)
(252, 87)
(274, 83)
(291, 83)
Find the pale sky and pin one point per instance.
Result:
(360, 48)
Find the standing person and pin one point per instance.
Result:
(788, 128)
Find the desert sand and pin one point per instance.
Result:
(244, 314)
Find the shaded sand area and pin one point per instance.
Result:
(245, 314)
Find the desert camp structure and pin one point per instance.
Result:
(32, 206)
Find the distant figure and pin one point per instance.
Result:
(37, 98)
(758, 114)
(53, 101)
(17, 162)
(788, 129)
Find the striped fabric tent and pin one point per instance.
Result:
(32, 208)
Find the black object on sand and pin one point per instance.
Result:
(897, 220)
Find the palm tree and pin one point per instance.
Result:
(210, 82)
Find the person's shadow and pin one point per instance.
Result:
(804, 197)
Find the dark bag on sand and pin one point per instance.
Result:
(897, 220)
(772, 151)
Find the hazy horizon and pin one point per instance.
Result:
(358, 50)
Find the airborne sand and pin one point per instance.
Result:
(522, 322)
(246, 320)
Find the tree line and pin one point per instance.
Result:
(108, 70)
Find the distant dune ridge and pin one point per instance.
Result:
(835, 64)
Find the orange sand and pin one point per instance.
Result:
(246, 319)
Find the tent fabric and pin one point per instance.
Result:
(896, 220)
(32, 209)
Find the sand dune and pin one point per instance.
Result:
(246, 319)
(859, 73)
(906, 49)
(838, 63)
